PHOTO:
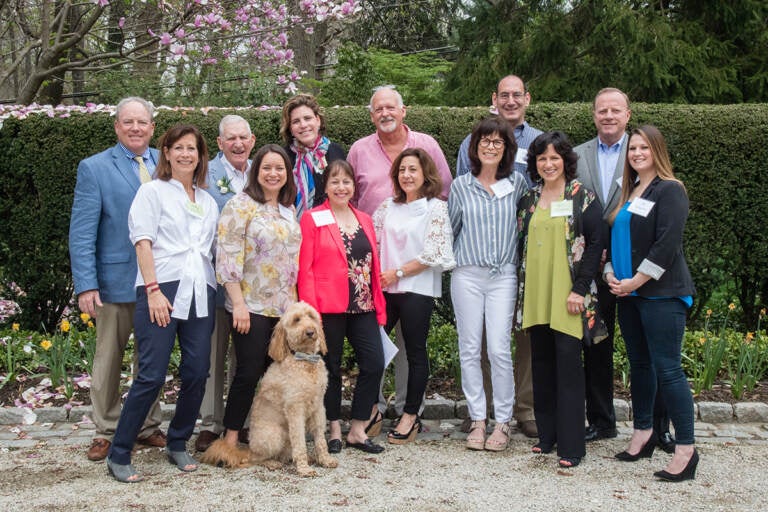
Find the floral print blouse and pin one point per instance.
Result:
(360, 262)
(258, 247)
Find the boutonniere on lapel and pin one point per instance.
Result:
(224, 185)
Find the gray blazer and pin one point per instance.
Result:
(588, 172)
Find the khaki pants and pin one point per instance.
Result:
(114, 323)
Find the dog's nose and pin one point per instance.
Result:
(309, 333)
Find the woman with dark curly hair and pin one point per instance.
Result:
(563, 235)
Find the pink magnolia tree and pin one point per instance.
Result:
(46, 45)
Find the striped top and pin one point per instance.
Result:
(484, 225)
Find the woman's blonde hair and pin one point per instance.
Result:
(661, 162)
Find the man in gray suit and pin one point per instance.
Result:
(104, 262)
(227, 176)
(600, 168)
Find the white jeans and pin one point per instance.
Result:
(479, 296)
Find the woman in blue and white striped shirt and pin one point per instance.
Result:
(482, 207)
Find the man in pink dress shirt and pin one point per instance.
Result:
(371, 158)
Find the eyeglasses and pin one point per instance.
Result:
(505, 96)
(496, 143)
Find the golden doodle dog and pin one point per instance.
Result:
(289, 401)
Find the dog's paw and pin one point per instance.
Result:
(305, 471)
(328, 461)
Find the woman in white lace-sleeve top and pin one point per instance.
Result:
(416, 245)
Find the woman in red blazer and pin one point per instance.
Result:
(338, 275)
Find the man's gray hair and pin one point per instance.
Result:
(385, 88)
(150, 108)
(232, 119)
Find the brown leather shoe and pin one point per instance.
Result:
(204, 440)
(155, 439)
(528, 428)
(99, 449)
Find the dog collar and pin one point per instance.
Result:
(303, 356)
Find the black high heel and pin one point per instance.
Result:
(645, 452)
(688, 472)
(395, 437)
(373, 428)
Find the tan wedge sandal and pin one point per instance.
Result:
(476, 441)
(499, 438)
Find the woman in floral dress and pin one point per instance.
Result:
(257, 262)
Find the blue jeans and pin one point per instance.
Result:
(653, 332)
(154, 345)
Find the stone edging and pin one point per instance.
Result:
(707, 412)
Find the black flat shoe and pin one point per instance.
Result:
(667, 442)
(688, 472)
(645, 452)
(569, 462)
(593, 433)
(334, 446)
(542, 448)
(373, 428)
(368, 446)
(395, 437)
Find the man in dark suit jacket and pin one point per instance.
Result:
(600, 168)
(227, 176)
(104, 261)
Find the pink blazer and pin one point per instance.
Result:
(323, 280)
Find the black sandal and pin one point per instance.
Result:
(373, 428)
(395, 437)
(542, 448)
(569, 462)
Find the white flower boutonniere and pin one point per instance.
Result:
(225, 185)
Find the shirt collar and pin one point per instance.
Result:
(146, 155)
(602, 146)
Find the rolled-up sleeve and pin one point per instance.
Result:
(144, 215)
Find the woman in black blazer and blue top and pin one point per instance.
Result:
(646, 269)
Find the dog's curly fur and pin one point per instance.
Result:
(289, 401)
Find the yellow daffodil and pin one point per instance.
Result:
(702, 340)
(749, 337)
(65, 326)
(15, 327)
(731, 306)
(46, 344)
(85, 317)
(709, 312)
(90, 324)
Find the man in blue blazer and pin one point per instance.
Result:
(227, 176)
(104, 261)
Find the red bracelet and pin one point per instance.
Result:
(150, 285)
(153, 289)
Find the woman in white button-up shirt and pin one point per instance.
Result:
(416, 246)
(172, 223)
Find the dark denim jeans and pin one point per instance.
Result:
(653, 332)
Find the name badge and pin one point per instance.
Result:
(521, 157)
(286, 213)
(323, 218)
(561, 208)
(195, 209)
(418, 207)
(503, 188)
(640, 206)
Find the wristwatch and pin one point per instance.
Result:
(399, 273)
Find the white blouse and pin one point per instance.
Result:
(419, 230)
(182, 235)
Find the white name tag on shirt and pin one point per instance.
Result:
(323, 218)
(561, 208)
(521, 157)
(286, 213)
(503, 188)
(640, 206)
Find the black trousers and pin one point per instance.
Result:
(558, 390)
(252, 361)
(598, 366)
(413, 311)
(362, 331)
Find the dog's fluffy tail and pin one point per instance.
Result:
(222, 454)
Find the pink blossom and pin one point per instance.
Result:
(101, 3)
(121, 22)
(206, 49)
(180, 33)
(165, 39)
(210, 60)
(283, 38)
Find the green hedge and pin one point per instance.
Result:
(719, 152)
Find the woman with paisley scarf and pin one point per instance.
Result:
(302, 127)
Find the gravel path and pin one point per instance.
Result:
(436, 475)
